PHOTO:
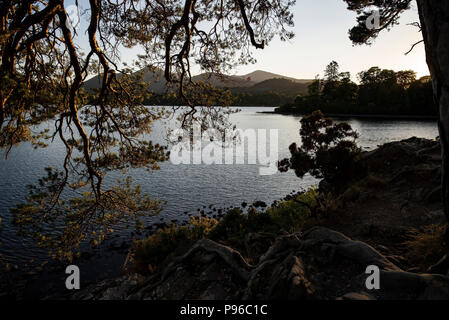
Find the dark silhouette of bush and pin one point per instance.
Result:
(328, 150)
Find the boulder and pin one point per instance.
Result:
(317, 264)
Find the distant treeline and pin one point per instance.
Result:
(267, 98)
(272, 92)
(380, 91)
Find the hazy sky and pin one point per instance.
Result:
(321, 28)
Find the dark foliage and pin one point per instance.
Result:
(328, 150)
(42, 81)
(389, 13)
(380, 91)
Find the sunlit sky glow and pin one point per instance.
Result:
(321, 28)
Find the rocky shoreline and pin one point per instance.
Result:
(317, 263)
(397, 200)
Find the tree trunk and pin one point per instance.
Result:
(434, 16)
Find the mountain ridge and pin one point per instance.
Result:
(261, 75)
(257, 88)
(159, 84)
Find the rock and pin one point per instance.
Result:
(441, 267)
(397, 260)
(116, 289)
(230, 256)
(446, 235)
(357, 296)
(382, 248)
(258, 204)
(414, 286)
(317, 264)
(214, 292)
(207, 270)
(257, 244)
(286, 280)
(354, 250)
(433, 195)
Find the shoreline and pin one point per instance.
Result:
(256, 257)
(103, 263)
(374, 190)
(361, 116)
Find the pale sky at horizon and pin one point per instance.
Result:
(321, 35)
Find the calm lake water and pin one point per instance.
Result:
(187, 188)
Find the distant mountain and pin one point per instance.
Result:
(255, 88)
(281, 85)
(155, 76)
(271, 92)
(223, 81)
(246, 80)
(158, 82)
(260, 75)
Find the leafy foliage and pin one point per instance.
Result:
(425, 247)
(149, 254)
(291, 215)
(328, 150)
(380, 91)
(389, 13)
(235, 225)
(62, 225)
(44, 65)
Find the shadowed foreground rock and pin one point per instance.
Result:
(400, 193)
(318, 264)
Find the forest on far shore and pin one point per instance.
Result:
(380, 91)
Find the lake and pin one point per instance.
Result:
(189, 187)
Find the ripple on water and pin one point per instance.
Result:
(189, 187)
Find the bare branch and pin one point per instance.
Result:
(413, 46)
